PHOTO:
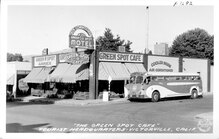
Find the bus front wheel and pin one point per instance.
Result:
(155, 96)
(194, 94)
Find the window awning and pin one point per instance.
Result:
(43, 75)
(58, 72)
(75, 73)
(117, 71)
(10, 80)
(135, 67)
(31, 76)
(38, 75)
(67, 73)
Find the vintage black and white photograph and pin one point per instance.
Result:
(110, 68)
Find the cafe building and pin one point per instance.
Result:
(85, 72)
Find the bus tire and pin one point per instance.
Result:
(194, 94)
(155, 96)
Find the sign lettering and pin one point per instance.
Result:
(45, 61)
(74, 58)
(163, 64)
(120, 57)
(81, 40)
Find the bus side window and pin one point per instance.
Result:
(153, 78)
(178, 78)
(197, 78)
(147, 80)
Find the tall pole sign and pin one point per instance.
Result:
(81, 37)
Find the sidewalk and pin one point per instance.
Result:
(70, 102)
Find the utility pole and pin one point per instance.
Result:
(147, 32)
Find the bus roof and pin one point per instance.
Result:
(165, 74)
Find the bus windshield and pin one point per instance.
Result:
(132, 79)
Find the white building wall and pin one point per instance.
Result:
(212, 79)
(192, 65)
(13, 67)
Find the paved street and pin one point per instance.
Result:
(167, 116)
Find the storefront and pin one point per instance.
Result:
(117, 67)
(60, 73)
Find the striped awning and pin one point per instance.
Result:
(10, 80)
(68, 73)
(38, 75)
(116, 71)
(135, 67)
(42, 76)
(58, 73)
(32, 75)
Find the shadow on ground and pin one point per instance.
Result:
(179, 99)
(17, 127)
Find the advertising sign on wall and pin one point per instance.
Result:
(81, 37)
(120, 57)
(163, 64)
(74, 58)
(45, 61)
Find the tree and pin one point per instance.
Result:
(196, 43)
(14, 57)
(150, 53)
(108, 42)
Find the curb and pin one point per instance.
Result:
(90, 103)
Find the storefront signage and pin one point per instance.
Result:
(120, 57)
(45, 61)
(81, 37)
(163, 64)
(74, 58)
(157, 63)
(23, 85)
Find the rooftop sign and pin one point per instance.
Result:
(120, 57)
(45, 61)
(73, 59)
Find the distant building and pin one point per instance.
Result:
(161, 49)
(16, 71)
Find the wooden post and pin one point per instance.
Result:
(92, 78)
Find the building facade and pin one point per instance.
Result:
(161, 49)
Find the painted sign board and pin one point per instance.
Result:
(45, 61)
(74, 58)
(81, 37)
(163, 64)
(120, 57)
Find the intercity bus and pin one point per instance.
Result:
(155, 86)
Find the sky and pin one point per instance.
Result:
(31, 28)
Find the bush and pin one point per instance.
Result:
(9, 96)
